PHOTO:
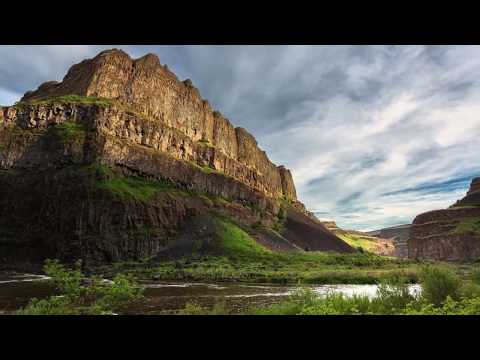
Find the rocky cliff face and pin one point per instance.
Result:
(116, 161)
(175, 107)
(451, 234)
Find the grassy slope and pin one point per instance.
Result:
(358, 241)
(467, 226)
(245, 260)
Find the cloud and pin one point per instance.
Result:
(374, 135)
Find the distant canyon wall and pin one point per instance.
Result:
(451, 234)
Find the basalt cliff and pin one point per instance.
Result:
(122, 161)
(451, 234)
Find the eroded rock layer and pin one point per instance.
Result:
(451, 234)
(120, 138)
(174, 107)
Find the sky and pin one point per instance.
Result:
(374, 135)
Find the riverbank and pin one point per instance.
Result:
(242, 297)
(282, 268)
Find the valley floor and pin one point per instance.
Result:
(308, 268)
(244, 260)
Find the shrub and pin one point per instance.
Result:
(439, 283)
(191, 308)
(476, 276)
(81, 296)
(393, 296)
(338, 304)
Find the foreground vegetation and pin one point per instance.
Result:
(443, 293)
(78, 295)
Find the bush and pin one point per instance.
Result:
(443, 294)
(81, 296)
(338, 304)
(191, 308)
(439, 283)
(476, 276)
(393, 296)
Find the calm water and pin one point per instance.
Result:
(163, 297)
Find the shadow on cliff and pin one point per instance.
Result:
(311, 235)
(49, 209)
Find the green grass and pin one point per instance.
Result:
(67, 99)
(358, 241)
(467, 226)
(79, 298)
(237, 243)
(205, 142)
(443, 293)
(130, 187)
(206, 169)
(136, 188)
(68, 131)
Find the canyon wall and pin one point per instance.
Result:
(119, 138)
(174, 107)
(451, 234)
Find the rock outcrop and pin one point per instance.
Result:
(170, 106)
(83, 165)
(451, 234)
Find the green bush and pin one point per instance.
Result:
(192, 308)
(296, 302)
(443, 294)
(449, 307)
(393, 296)
(439, 283)
(81, 296)
(476, 276)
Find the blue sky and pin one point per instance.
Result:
(374, 135)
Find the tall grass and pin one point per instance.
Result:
(438, 284)
(443, 294)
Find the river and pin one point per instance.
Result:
(164, 297)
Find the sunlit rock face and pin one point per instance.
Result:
(451, 234)
(156, 93)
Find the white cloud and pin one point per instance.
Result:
(8, 97)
